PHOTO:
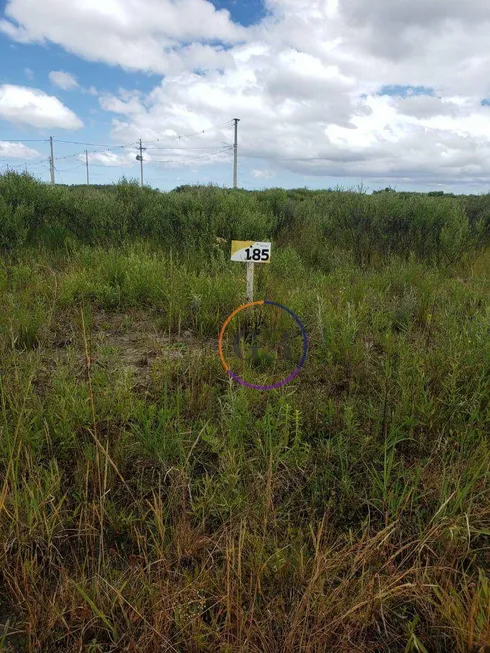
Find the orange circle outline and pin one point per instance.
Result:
(260, 302)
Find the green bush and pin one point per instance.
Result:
(371, 229)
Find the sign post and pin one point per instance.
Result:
(250, 252)
(250, 282)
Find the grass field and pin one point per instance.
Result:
(148, 503)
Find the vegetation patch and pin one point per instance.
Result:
(149, 503)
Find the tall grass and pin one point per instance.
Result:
(148, 504)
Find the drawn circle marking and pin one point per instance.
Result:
(273, 386)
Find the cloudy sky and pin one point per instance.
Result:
(328, 92)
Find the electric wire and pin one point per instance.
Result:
(132, 144)
(227, 149)
(109, 149)
(197, 133)
(22, 140)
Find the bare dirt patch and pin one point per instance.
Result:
(133, 343)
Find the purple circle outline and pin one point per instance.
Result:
(279, 384)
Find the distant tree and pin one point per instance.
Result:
(388, 189)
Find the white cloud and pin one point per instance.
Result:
(30, 106)
(110, 159)
(305, 81)
(29, 73)
(136, 34)
(125, 104)
(63, 80)
(17, 151)
(394, 28)
(262, 174)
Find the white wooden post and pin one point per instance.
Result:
(250, 282)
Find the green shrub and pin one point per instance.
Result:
(439, 229)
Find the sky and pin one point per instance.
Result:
(328, 92)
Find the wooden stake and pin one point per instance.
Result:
(250, 282)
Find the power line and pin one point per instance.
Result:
(109, 149)
(112, 145)
(205, 156)
(206, 147)
(21, 140)
(53, 169)
(82, 165)
(21, 165)
(197, 133)
(118, 165)
(68, 156)
(96, 144)
(111, 164)
(78, 154)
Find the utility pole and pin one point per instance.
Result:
(51, 160)
(140, 159)
(86, 165)
(235, 154)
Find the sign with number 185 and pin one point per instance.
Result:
(249, 251)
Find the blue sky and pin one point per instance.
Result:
(246, 13)
(328, 92)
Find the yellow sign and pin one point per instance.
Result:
(250, 251)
